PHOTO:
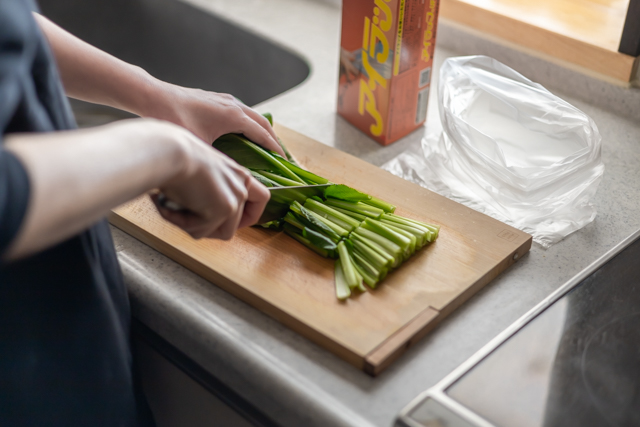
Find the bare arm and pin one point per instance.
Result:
(77, 176)
(92, 75)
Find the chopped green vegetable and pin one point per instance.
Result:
(342, 287)
(387, 207)
(343, 192)
(362, 232)
(357, 207)
(281, 180)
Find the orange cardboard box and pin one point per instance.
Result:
(386, 55)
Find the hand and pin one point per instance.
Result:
(102, 167)
(219, 195)
(210, 115)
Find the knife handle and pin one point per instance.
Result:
(164, 202)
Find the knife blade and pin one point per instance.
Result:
(277, 206)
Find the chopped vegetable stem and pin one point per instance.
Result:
(348, 270)
(281, 180)
(357, 207)
(342, 288)
(374, 201)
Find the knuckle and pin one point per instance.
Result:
(229, 208)
(226, 207)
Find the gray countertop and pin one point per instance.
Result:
(294, 381)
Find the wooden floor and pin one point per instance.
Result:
(585, 33)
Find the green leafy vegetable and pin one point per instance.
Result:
(362, 232)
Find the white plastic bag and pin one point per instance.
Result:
(509, 148)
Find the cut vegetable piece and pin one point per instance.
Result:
(335, 227)
(350, 274)
(381, 204)
(240, 150)
(285, 182)
(374, 258)
(386, 232)
(357, 207)
(264, 180)
(359, 277)
(390, 263)
(410, 236)
(308, 220)
(342, 287)
(366, 270)
(366, 277)
(252, 156)
(293, 232)
(331, 214)
(312, 178)
(343, 192)
(376, 248)
(397, 218)
(276, 224)
(387, 245)
(353, 215)
(421, 234)
(290, 218)
(433, 230)
(320, 241)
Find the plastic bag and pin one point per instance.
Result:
(509, 148)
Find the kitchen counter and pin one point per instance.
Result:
(295, 382)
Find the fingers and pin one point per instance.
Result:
(217, 204)
(257, 199)
(259, 130)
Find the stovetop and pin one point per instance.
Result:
(572, 361)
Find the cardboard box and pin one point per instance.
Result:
(386, 55)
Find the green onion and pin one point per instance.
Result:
(356, 207)
(381, 204)
(291, 231)
(361, 231)
(386, 232)
(304, 217)
(342, 287)
(369, 274)
(421, 234)
(387, 245)
(285, 182)
(331, 214)
(371, 255)
(353, 215)
(349, 271)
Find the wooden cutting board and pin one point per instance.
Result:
(289, 282)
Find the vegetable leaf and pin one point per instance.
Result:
(343, 192)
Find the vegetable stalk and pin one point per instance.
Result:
(363, 233)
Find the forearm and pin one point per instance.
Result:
(77, 176)
(92, 75)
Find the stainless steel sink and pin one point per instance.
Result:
(178, 43)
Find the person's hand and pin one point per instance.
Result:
(210, 115)
(219, 195)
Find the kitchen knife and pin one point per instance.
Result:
(277, 206)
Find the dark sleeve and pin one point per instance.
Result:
(14, 197)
